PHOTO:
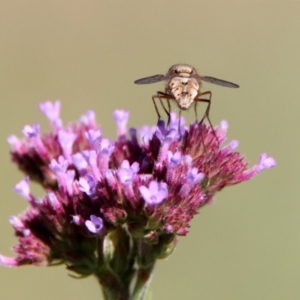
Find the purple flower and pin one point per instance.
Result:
(80, 163)
(266, 162)
(174, 160)
(8, 261)
(53, 201)
(111, 178)
(121, 118)
(156, 193)
(166, 135)
(222, 130)
(176, 123)
(87, 185)
(146, 190)
(31, 131)
(76, 219)
(232, 145)
(69, 180)
(59, 166)
(106, 147)
(17, 223)
(14, 142)
(127, 172)
(22, 188)
(93, 162)
(193, 176)
(89, 119)
(95, 224)
(188, 160)
(51, 110)
(64, 177)
(146, 133)
(66, 140)
(94, 138)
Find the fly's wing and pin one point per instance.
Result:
(152, 79)
(216, 81)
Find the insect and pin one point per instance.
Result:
(183, 85)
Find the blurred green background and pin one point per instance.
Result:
(88, 53)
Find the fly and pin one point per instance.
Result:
(183, 85)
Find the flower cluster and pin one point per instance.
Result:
(117, 203)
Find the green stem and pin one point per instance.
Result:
(113, 288)
(142, 286)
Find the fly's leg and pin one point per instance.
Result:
(155, 106)
(195, 110)
(206, 114)
(179, 119)
(198, 99)
(163, 96)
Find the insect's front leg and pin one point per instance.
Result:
(155, 106)
(160, 96)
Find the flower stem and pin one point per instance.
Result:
(113, 288)
(142, 286)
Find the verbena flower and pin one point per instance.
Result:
(113, 207)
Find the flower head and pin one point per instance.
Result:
(138, 193)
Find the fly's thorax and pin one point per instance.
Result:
(184, 90)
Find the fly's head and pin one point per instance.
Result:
(183, 70)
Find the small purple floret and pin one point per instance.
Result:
(22, 188)
(106, 147)
(266, 162)
(53, 201)
(121, 118)
(188, 160)
(80, 162)
(16, 223)
(127, 172)
(66, 140)
(95, 224)
(87, 185)
(31, 131)
(76, 219)
(89, 118)
(146, 133)
(174, 160)
(193, 176)
(94, 137)
(69, 180)
(155, 193)
(14, 142)
(175, 122)
(51, 110)
(233, 144)
(59, 166)
(8, 261)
